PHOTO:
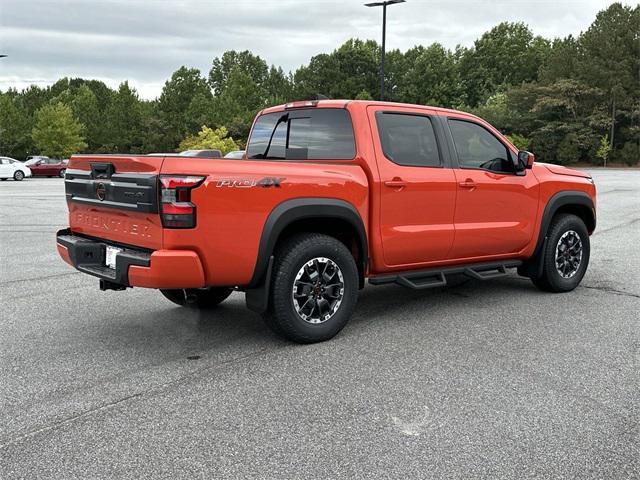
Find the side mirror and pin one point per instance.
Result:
(525, 160)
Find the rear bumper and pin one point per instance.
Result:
(134, 267)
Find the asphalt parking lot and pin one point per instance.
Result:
(482, 380)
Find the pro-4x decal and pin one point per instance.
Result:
(265, 182)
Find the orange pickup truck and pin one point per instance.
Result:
(329, 194)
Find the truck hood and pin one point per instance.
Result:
(560, 170)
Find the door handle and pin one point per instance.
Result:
(468, 183)
(397, 182)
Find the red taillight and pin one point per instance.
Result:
(176, 209)
(176, 182)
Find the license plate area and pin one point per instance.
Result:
(110, 256)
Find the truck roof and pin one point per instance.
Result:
(344, 103)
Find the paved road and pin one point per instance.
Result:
(484, 380)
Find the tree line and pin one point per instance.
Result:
(571, 99)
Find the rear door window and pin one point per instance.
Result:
(307, 134)
(408, 140)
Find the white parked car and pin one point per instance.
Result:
(236, 154)
(12, 168)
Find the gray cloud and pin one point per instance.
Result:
(145, 41)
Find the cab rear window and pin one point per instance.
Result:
(306, 134)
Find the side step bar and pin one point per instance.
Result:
(437, 277)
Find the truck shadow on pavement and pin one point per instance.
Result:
(395, 301)
(168, 330)
(233, 322)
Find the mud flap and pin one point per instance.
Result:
(534, 266)
(257, 299)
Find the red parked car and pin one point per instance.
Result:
(47, 167)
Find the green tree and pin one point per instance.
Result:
(278, 87)
(561, 60)
(32, 99)
(199, 112)
(610, 60)
(519, 141)
(102, 93)
(14, 132)
(176, 102)
(242, 84)
(85, 108)
(238, 103)
(246, 62)
(344, 73)
(629, 153)
(124, 122)
(56, 132)
(565, 111)
(59, 87)
(496, 111)
(155, 136)
(364, 95)
(431, 77)
(604, 149)
(508, 54)
(208, 138)
(568, 150)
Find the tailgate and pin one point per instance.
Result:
(115, 198)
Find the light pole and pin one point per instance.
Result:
(384, 35)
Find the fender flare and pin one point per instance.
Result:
(533, 267)
(304, 208)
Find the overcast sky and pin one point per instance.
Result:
(145, 41)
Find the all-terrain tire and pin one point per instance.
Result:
(565, 255)
(334, 292)
(202, 298)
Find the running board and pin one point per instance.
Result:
(436, 277)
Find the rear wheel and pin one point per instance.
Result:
(18, 176)
(314, 289)
(62, 172)
(566, 255)
(197, 297)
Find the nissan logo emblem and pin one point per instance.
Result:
(101, 191)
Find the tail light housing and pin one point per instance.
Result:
(176, 209)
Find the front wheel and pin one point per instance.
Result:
(197, 297)
(566, 255)
(314, 288)
(18, 176)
